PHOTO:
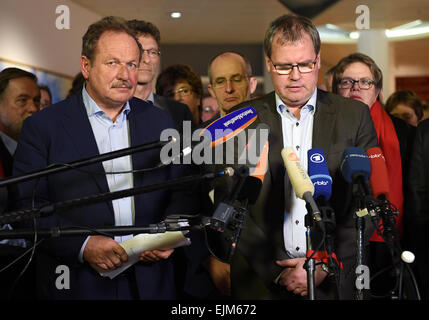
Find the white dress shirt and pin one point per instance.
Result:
(298, 135)
(112, 136)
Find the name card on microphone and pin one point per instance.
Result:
(230, 125)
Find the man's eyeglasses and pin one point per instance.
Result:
(152, 53)
(237, 80)
(363, 83)
(183, 92)
(306, 67)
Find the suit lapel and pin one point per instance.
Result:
(324, 120)
(78, 128)
(267, 114)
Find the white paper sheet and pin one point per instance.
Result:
(145, 241)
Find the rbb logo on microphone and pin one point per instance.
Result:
(319, 174)
(321, 183)
(317, 158)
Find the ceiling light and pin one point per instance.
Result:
(354, 35)
(175, 15)
(408, 25)
(332, 26)
(407, 32)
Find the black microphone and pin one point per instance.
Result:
(355, 168)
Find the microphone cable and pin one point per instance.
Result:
(396, 249)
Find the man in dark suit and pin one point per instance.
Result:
(103, 117)
(19, 99)
(268, 262)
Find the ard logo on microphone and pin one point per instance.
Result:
(317, 158)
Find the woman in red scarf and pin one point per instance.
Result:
(358, 77)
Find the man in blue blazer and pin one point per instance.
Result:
(103, 117)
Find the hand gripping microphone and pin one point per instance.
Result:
(319, 175)
(301, 183)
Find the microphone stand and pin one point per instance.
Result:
(229, 214)
(172, 223)
(48, 209)
(309, 265)
(328, 216)
(360, 213)
(85, 162)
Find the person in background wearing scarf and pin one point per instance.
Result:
(358, 77)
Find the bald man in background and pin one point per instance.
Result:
(231, 80)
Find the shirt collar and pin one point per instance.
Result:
(151, 98)
(310, 106)
(93, 109)
(9, 143)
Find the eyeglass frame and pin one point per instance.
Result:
(157, 53)
(243, 77)
(172, 93)
(293, 66)
(371, 83)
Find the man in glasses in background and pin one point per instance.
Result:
(149, 37)
(231, 81)
(270, 255)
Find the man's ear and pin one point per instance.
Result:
(268, 64)
(85, 66)
(211, 91)
(253, 83)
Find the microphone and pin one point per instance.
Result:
(379, 178)
(230, 125)
(319, 175)
(255, 156)
(301, 183)
(355, 167)
(379, 181)
(216, 133)
(322, 181)
(249, 177)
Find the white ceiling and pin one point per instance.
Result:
(245, 21)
